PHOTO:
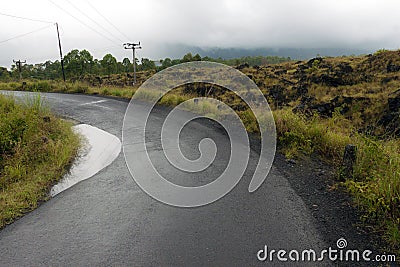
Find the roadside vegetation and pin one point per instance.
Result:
(35, 150)
(320, 106)
(375, 182)
(68, 87)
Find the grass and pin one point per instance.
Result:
(327, 137)
(35, 150)
(375, 184)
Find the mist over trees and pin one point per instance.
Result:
(78, 63)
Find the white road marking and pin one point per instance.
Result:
(94, 102)
(100, 106)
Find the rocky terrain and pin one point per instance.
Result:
(365, 89)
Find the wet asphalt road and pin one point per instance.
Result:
(109, 220)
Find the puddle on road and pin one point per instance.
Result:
(100, 150)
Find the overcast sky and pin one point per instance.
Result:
(161, 24)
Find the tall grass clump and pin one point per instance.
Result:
(376, 185)
(297, 133)
(35, 149)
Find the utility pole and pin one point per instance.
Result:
(133, 46)
(19, 64)
(61, 56)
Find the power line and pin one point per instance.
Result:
(95, 22)
(83, 23)
(21, 35)
(109, 22)
(24, 18)
(105, 48)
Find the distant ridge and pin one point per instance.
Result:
(293, 53)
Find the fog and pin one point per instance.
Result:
(170, 27)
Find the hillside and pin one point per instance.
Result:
(364, 89)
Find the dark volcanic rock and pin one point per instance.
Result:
(311, 61)
(394, 101)
(280, 72)
(305, 102)
(386, 80)
(308, 99)
(276, 92)
(391, 121)
(242, 66)
(323, 109)
(391, 118)
(308, 105)
(98, 80)
(327, 79)
(301, 90)
(392, 67)
(345, 67)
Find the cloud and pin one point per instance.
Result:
(368, 24)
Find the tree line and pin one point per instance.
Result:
(78, 63)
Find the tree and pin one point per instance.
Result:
(71, 63)
(96, 67)
(127, 64)
(86, 61)
(109, 64)
(78, 63)
(197, 57)
(120, 67)
(52, 70)
(166, 63)
(175, 61)
(147, 64)
(4, 74)
(187, 58)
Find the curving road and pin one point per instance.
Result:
(109, 220)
